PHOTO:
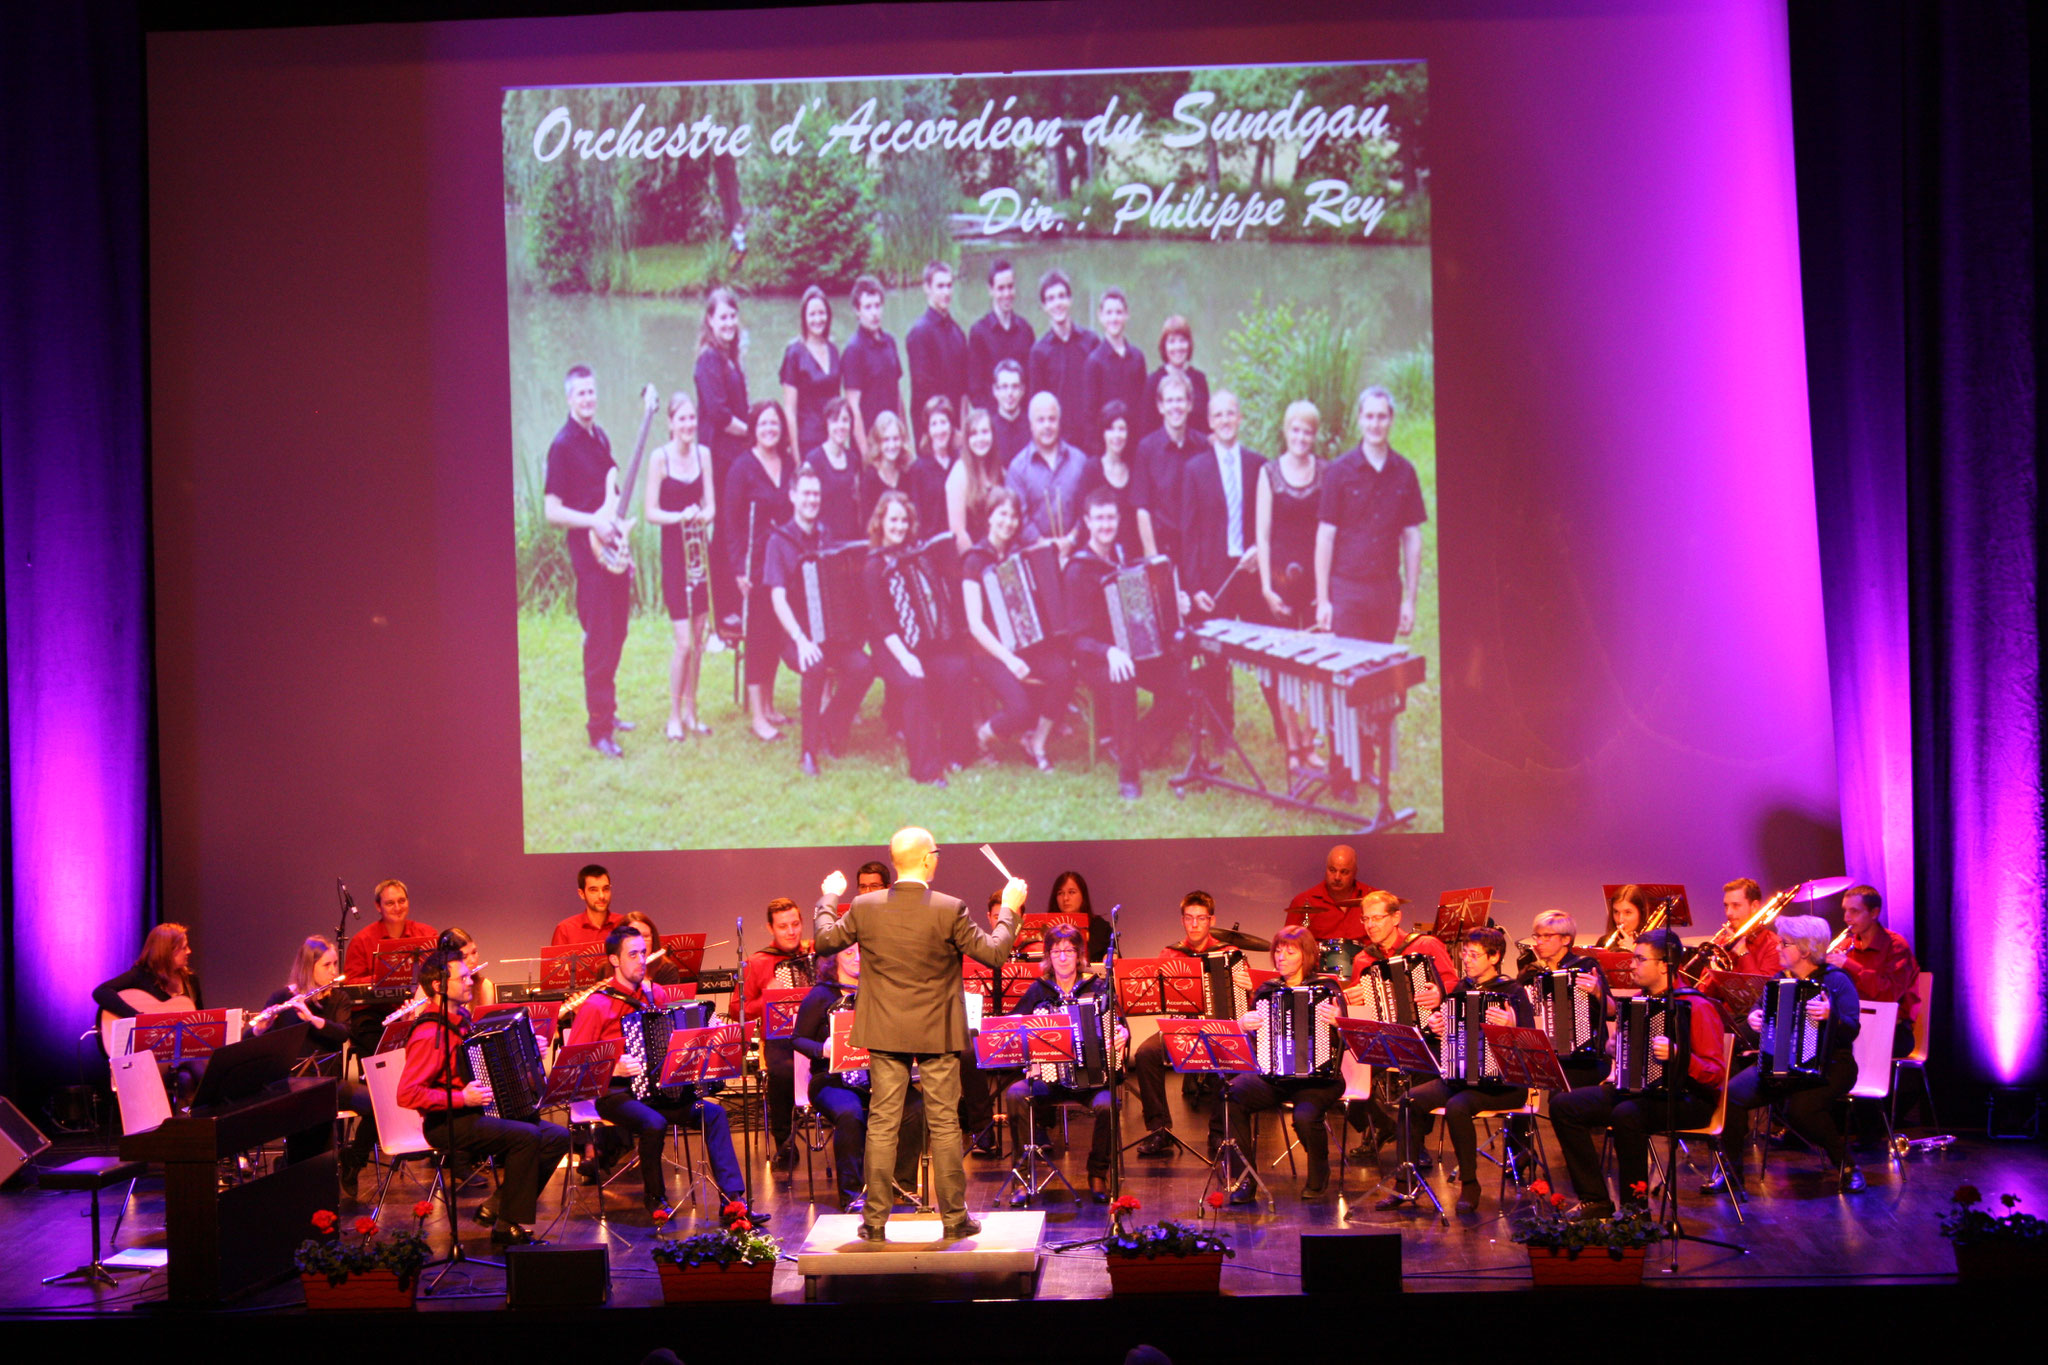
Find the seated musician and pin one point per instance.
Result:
(433, 1083)
(927, 678)
(1294, 956)
(161, 973)
(1556, 934)
(1628, 914)
(1059, 986)
(1150, 1063)
(315, 966)
(472, 957)
(594, 918)
(627, 990)
(1632, 1118)
(977, 1087)
(1025, 714)
(359, 962)
(1756, 953)
(1808, 1103)
(1879, 961)
(1330, 908)
(662, 968)
(1069, 896)
(843, 1096)
(786, 963)
(1380, 911)
(1482, 952)
(1112, 675)
(827, 727)
(872, 876)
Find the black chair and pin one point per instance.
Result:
(93, 1174)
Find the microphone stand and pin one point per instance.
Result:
(348, 908)
(456, 1254)
(1109, 1053)
(1667, 1197)
(739, 935)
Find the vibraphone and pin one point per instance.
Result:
(1350, 690)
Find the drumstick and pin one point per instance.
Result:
(990, 854)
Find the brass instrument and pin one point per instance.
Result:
(1841, 942)
(1612, 940)
(1713, 955)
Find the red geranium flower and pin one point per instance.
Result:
(1216, 1199)
(1540, 1187)
(1126, 1203)
(325, 1220)
(1640, 1189)
(734, 1209)
(365, 1226)
(742, 1225)
(662, 1215)
(2011, 1201)
(423, 1208)
(1967, 1195)
(1557, 1201)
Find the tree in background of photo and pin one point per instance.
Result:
(815, 223)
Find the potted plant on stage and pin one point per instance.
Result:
(1166, 1257)
(370, 1272)
(1587, 1251)
(735, 1262)
(2011, 1246)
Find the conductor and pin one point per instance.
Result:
(912, 1008)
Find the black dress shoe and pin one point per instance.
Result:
(868, 1233)
(1311, 1194)
(1588, 1209)
(351, 1178)
(590, 1173)
(514, 1235)
(1468, 1197)
(808, 765)
(1853, 1181)
(784, 1158)
(1156, 1144)
(1245, 1192)
(659, 1210)
(608, 746)
(1129, 791)
(487, 1213)
(962, 1230)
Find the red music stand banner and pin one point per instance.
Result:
(977, 979)
(1617, 966)
(1031, 930)
(1457, 912)
(1170, 984)
(1018, 977)
(573, 966)
(543, 1018)
(1398, 1047)
(395, 963)
(177, 1035)
(839, 1049)
(1219, 1045)
(697, 1055)
(1525, 1057)
(779, 1009)
(1009, 1041)
(581, 1073)
(686, 951)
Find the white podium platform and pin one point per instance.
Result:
(1006, 1245)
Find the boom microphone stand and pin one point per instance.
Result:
(1116, 1108)
(1667, 1197)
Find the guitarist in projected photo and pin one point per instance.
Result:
(161, 981)
(585, 495)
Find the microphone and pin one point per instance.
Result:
(348, 902)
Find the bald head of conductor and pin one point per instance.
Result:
(916, 856)
(1340, 873)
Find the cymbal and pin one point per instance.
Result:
(1251, 943)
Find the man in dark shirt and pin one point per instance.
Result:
(1366, 577)
(1011, 422)
(825, 728)
(1161, 467)
(936, 347)
(870, 369)
(1059, 358)
(1111, 674)
(1046, 477)
(999, 336)
(1115, 370)
(581, 488)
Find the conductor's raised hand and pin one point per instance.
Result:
(1014, 892)
(834, 885)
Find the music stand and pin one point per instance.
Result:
(573, 966)
(686, 951)
(1218, 1047)
(1458, 912)
(698, 1055)
(546, 1023)
(393, 965)
(1402, 1048)
(1016, 978)
(1012, 1042)
(1618, 967)
(180, 1035)
(1166, 985)
(1527, 1058)
(779, 1010)
(1739, 993)
(1031, 931)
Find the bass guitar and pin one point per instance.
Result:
(617, 556)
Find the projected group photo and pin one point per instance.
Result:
(1050, 453)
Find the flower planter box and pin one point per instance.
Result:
(716, 1283)
(2001, 1261)
(367, 1291)
(1551, 1267)
(1202, 1274)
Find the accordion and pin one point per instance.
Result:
(647, 1032)
(1640, 1019)
(1462, 1053)
(503, 1052)
(1026, 597)
(835, 605)
(1094, 1047)
(793, 972)
(1224, 991)
(1299, 1033)
(1793, 1046)
(923, 584)
(1568, 1016)
(1390, 984)
(1144, 607)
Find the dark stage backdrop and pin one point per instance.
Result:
(1633, 671)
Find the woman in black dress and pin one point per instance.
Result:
(810, 370)
(756, 501)
(1024, 712)
(839, 475)
(679, 497)
(934, 466)
(888, 464)
(1113, 470)
(326, 1018)
(929, 678)
(1289, 495)
(722, 422)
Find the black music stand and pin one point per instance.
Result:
(1402, 1048)
(1167, 986)
(1220, 1047)
(1667, 1197)
(581, 1074)
(1528, 1058)
(1010, 1042)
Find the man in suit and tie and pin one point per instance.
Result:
(912, 1008)
(1219, 547)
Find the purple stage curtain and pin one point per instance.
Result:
(80, 879)
(1919, 188)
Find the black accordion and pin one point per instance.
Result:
(923, 584)
(503, 1052)
(1390, 985)
(1144, 607)
(792, 972)
(1026, 597)
(1568, 1016)
(835, 603)
(1224, 995)
(1639, 1020)
(647, 1033)
(1096, 1056)
(1793, 1046)
(1463, 1054)
(1299, 1033)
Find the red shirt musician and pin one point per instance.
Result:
(789, 954)
(1878, 960)
(1385, 938)
(1330, 907)
(1755, 953)
(595, 920)
(394, 922)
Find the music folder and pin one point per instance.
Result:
(840, 1052)
(582, 1073)
(1459, 912)
(697, 1055)
(1398, 1047)
(779, 1010)
(1168, 984)
(1009, 1041)
(1617, 966)
(1525, 1057)
(1219, 1045)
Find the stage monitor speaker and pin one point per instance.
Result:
(20, 1141)
(1351, 1262)
(557, 1277)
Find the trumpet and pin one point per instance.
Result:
(1903, 1146)
(1841, 942)
(1713, 955)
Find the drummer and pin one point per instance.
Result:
(1149, 1064)
(1330, 910)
